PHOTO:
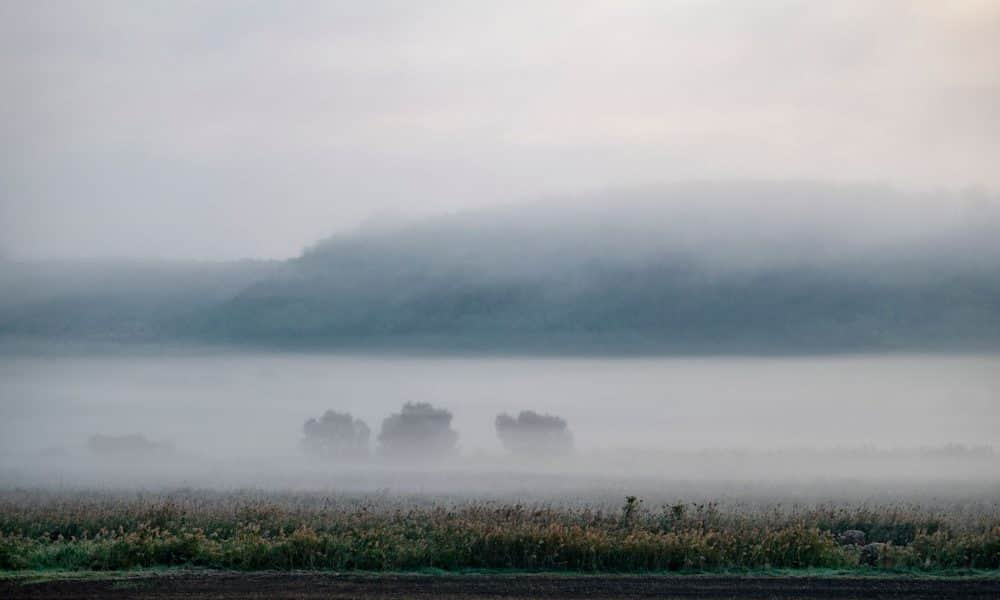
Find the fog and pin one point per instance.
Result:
(237, 419)
(177, 130)
(705, 332)
(460, 246)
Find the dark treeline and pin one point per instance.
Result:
(722, 269)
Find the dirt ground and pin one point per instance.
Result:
(334, 586)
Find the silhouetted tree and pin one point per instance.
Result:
(336, 435)
(418, 431)
(534, 434)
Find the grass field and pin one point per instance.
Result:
(250, 530)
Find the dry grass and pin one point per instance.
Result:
(250, 530)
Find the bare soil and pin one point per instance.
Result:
(336, 586)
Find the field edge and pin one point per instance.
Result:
(28, 577)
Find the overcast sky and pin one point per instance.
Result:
(251, 129)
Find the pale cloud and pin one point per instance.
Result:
(254, 128)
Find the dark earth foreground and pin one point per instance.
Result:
(318, 585)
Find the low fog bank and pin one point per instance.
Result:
(416, 450)
(744, 267)
(800, 471)
(329, 410)
(229, 440)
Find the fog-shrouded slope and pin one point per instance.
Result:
(116, 300)
(749, 267)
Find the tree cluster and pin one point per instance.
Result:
(534, 434)
(336, 435)
(418, 431)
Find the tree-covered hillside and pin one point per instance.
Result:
(698, 268)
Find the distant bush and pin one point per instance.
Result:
(534, 434)
(418, 431)
(127, 446)
(336, 435)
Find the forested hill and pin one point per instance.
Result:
(755, 268)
